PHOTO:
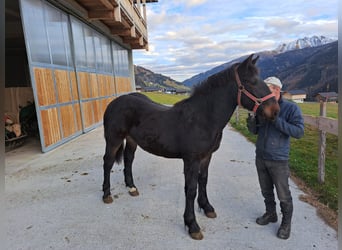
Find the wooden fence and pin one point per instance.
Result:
(324, 125)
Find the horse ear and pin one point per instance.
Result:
(255, 60)
(247, 62)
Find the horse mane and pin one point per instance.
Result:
(214, 81)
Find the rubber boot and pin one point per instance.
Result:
(270, 215)
(267, 218)
(284, 230)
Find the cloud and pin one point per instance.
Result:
(192, 3)
(190, 37)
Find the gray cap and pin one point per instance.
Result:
(274, 81)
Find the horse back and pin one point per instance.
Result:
(129, 110)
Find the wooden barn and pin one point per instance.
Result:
(70, 58)
(296, 95)
(326, 96)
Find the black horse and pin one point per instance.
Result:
(190, 130)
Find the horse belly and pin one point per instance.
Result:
(156, 143)
(161, 152)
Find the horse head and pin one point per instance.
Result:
(253, 93)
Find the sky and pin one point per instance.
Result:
(188, 37)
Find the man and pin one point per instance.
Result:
(272, 154)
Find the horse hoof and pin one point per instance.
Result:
(133, 191)
(108, 199)
(196, 236)
(211, 214)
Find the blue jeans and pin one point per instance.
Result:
(275, 174)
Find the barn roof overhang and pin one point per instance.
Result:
(124, 20)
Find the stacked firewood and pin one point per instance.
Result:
(12, 129)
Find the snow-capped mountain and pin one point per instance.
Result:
(305, 42)
(297, 68)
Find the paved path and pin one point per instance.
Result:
(54, 202)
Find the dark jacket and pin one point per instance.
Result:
(273, 142)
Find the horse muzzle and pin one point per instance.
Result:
(270, 110)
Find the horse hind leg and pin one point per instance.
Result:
(112, 154)
(129, 153)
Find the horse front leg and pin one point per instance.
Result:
(202, 199)
(129, 152)
(191, 170)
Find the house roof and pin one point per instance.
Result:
(151, 88)
(327, 94)
(296, 92)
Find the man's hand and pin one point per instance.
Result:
(252, 123)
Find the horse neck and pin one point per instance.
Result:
(223, 106)
(218, 103)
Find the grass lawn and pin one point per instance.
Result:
(312, 108)
(167, 99)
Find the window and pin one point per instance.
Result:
(79, 45)
(57, 31)
(35, 30)
(120, 58)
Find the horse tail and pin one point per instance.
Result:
(114, 144)
(119, 154)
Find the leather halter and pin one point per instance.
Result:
(241, 89)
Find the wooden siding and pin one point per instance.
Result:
(77, 111)
(54, 88)
(102, 85)
(106, 85)
(104, 104)
(70, 104)
(97, 111)
(63, 86)
(94, 88)
(68, 120)
(87, 114)
(123, 84)
(44, 86)
(50, 124)
(83, 81)
(74, 85)
(111, 83)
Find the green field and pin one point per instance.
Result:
(304, 152)
(167, 99)
(312, 108)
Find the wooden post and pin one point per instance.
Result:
(322, 145)
(237, 114)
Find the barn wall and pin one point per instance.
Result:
(75, 72)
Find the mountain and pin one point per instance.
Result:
(313, 69)
(305, 42)
(147, 78)
(196, 79)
